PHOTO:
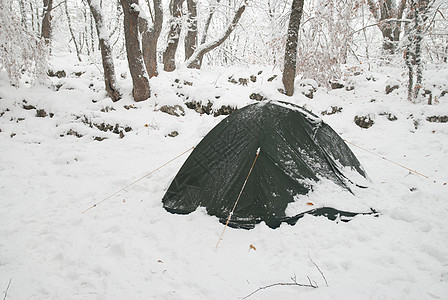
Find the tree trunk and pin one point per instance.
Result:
(140, 81)
(289, 70)
(397, 25)
(106, 51)
(388, 40)
(195, 61)
(33, 26)
(46, 22)
(23, 14)
(150, 36)
(169, 62)
(191, 39)
(418, 52)
(408, 61)
(383, 12)
(92, 35)
(386, 12)
(419, 14)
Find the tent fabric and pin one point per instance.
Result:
(296, 149)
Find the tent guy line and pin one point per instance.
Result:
(395, 163)
(124, 188)
(239, 196)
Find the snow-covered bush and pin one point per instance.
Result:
(21, 51)
(325, 37)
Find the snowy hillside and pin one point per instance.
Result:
(64, 147)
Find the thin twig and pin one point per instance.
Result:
(7, 288)
(309, 280)
(57, 5)
(321, 273)
(294, 283)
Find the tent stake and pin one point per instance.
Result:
(124, 188)
(236, 202)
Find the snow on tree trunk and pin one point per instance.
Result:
(289, 70)
(150, 36)
(140, 81)
(106, 51)
(169, 62)
(419, 14)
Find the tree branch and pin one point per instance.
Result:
(383, 21)
(57, 5)
(195, 61)
(208, 21)
(441, 14)
(321, 273)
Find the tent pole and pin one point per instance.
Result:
(236, 202)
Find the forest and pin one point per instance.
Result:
(105, 105)
(310, 38)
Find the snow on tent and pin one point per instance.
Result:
(296, 150)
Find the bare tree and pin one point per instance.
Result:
(72, 33)
(191, 38)
(106, 51)
(169, 63)
(389, 18)
(195, 61)
(140, 81)
(46, 21)
(289, 70)
(150, 36)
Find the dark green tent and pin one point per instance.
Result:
(295, 147)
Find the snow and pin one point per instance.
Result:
(129, 247)
(311, 117)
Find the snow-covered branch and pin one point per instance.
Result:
(195, 61)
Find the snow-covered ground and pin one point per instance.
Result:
(129, 247)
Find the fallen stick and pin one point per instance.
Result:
(293, 283)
